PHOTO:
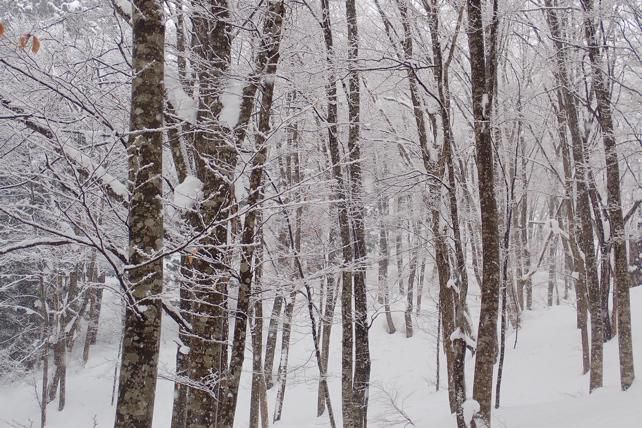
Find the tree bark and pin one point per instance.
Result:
(141, 340)
(618, 236)
(583, 205)
(273, 27)
(340, 193)
(482, 95)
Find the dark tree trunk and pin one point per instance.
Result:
(340, 193)
(270, 346)
(141, 340)
(627, 372)
(583, 205)
(273, 27)
(361, 381)
(482, 95)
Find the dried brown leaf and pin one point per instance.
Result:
(23, 40)
(35, 45)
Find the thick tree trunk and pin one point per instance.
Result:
(208, 349)
(141, 340)
(482, 95)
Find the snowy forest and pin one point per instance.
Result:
(320, 213)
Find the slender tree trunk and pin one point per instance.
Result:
(410, 293)
(92, 323)
(627, 371)
(420, 285)
(332, 287)
(328, 315)
(437, 358)
(285, 353)
(551, 255)
(273, 26)
(45, 354)
(258, 404)
(361, 381)
(270, 346)
(344, 225)
(574, 258)
(399, 245)
(384, 258)
(583, 205)
(181, 389)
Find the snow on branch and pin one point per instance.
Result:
(184, 105)
(99, 172)
(31, 243)
(188, 193)
(110, 184)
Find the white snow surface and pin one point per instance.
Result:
(543, 385)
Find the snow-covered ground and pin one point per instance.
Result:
(543, 385)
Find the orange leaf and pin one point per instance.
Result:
(22, 41)
(1, 29)
(35, 45)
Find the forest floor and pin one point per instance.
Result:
(543, 386)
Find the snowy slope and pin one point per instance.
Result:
(543, 385)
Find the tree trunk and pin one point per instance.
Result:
(95, 303)
(482, 95)
(583, 206)
(273, 26)
(399, 245)
(361, 381)
(141, 340)
(627, 372)
(420, 285)
(258, 403)
(340, 193)
(384, 258)
(551, 254)
(410, 296)
(285, 353)
(45, 354)
(270, 346)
